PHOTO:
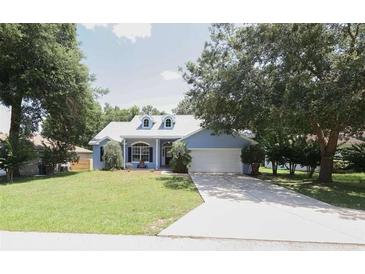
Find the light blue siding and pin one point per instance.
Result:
(205, 139)
(97, 164)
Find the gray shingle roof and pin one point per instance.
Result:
(184, 125)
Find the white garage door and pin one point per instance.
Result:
(218, 160)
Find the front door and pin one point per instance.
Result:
(167, 154)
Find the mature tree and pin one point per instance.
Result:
(312, 74)
(117, 114)
(151, 110)
(184, 107)
(41, 74)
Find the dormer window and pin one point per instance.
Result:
(146, 123)
(168, 123)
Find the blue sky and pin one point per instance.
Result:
(138, 63)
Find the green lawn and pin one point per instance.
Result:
(347, 190)
(120, 202)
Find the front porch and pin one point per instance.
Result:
(147, 153)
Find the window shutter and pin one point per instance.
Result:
(129, 154)
(101, 153)
(151, 154)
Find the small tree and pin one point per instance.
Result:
(11, 161)
(180, 157)
(355, 156)
(253, 155)
(113, 157)
(56, 152)
(312, 156)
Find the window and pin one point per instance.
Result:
(140, 152)
(168, 122)
(146, 122)
(101, 153)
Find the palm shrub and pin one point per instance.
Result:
(355, 156)
(113, 157)
(12, 159)
(180, 157)
(253, 155)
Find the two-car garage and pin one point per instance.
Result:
(215, 153)
(216, 160)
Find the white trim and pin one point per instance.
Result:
(165, 125)
(149, 122)
(150, 137)
(157, 153)
(124, 153)
(97, 142)
(214, 148)
(137, 142)
(191, 134)
(233, 135)
(140, 154)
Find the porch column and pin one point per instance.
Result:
(157, 153)
(124, 153)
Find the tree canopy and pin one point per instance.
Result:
(184, 107)
(310, 77)
(42, 76)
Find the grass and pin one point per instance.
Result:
(347, 189)
(120, 202)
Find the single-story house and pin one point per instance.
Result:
(148, 139)
(34, 167)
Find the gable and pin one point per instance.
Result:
(205, 139)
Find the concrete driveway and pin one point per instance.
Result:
(241, 207)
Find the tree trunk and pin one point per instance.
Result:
(274, 168)
(292, 167)
(14, 132)
(255, 169)
(328, 151)
(325, 172)
(311, 171)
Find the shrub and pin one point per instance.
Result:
(11, 159)
(180, 157)
(355, 156)
(253, 155)
(57, 153)
(113, 157)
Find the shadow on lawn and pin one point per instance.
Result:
(177, 182)
(28, 179)
(339, 193)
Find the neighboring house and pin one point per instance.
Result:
(33, 167)
(149, 139)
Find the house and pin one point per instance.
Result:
(148, 139)
(34, 167)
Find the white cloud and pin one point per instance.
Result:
(170, 75)
(132, 31)
(129, 31)
(90, 26)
